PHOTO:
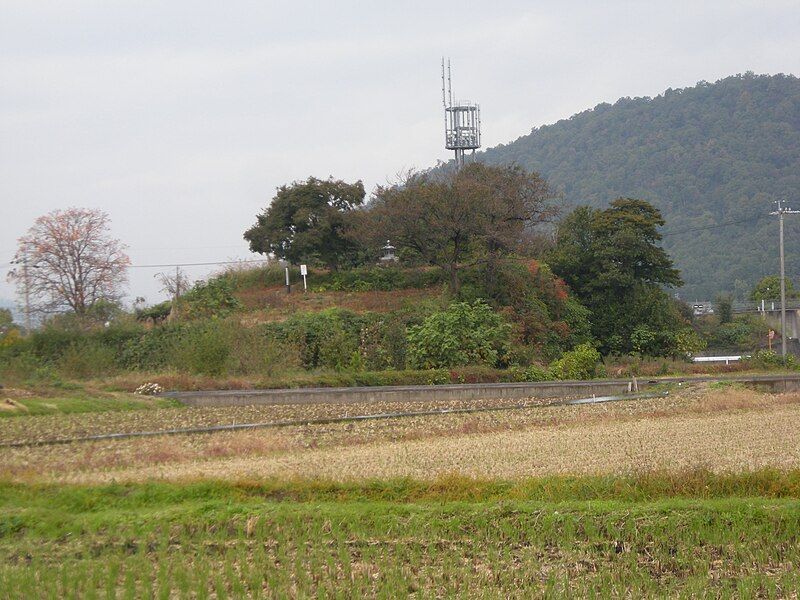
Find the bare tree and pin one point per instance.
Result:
(174, 284)
(68, 262)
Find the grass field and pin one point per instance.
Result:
(16, 403)
(694, 495)
(453, 538)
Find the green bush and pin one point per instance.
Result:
(217, 347)
(735, 334)
(202, 350)
(688, 342)
(240, 277)
(258, 351)
(769, 359)
(361, 279)
(377, 278)
(87, 359)
(324, 339)
(157, 312)
(463, 334)
(581, 363)
(537, 373)
(25, 367)
(152, 349)
(213, 299)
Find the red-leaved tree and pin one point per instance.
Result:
(68, 262)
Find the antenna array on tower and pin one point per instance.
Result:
(462, 120)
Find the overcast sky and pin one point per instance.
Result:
(181, 118)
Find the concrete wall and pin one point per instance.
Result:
(509, 391)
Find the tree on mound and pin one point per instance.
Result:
(305, 222)
(450, 220)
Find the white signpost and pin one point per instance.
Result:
(304, 272)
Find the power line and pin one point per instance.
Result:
(240, 246)
(716, 226)
(199, 264)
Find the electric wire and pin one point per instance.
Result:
(715, 226)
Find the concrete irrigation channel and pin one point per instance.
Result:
(409, 393)
(465, 392)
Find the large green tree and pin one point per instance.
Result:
(611, 260)
(305, 222)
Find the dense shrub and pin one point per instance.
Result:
(157, 313)
(688, 342)
(545, 318)
(87, 359)
(210, 299)
(743, 333)
(329, 338)
(25, 367)
(378, 278)
(245, 277)
(769, 359)
(581, 363)
(463, 334)
(361, 279)
(203, 350)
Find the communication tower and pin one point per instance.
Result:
(462, 121)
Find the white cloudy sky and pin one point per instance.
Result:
(181, 118)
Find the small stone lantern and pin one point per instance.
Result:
(388, 254)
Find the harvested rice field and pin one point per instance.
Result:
(721, 430)
(696, 494)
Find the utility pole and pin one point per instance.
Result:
(26, 292)
(780, 212)
(177, 288)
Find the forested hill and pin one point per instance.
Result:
(706, 156)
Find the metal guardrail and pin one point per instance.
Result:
(768, 306)
(745, 307)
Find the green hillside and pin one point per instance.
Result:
(712, 158)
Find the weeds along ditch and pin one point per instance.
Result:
(648, 535)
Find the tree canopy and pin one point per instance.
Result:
(769, 288)
(305, 222)
(68, 261)
(611, 260)
(449, 219)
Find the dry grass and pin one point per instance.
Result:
(718, 442)
(44, 427)
(720, 430)
(274, 304)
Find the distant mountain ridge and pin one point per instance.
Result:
(711, 157)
